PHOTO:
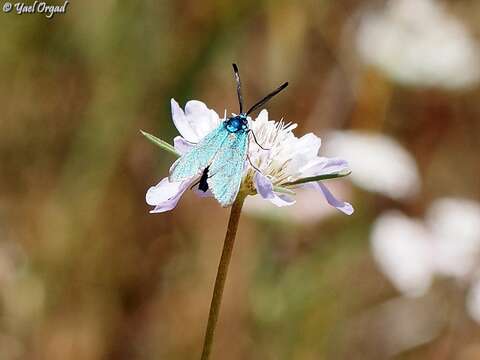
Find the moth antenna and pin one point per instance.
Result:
(239, 87)
(267, 98)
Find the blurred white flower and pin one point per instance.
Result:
(411, 252)
(416, 42)
(403, 250)
(455, 227)
(378, 162)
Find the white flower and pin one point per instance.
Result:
(411, 252)
(416, 42)
(378, 162)
(455, 227)
(288, 164)
(402, 248)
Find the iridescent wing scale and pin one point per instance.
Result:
(226, 168)
(199, 157)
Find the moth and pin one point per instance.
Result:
(220, 157)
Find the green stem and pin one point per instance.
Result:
(222, 275)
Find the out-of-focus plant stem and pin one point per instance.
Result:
(222, 274)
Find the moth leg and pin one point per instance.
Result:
(196, 183)
(255, 138)
(250, 161)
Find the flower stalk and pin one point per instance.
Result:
(222, 274)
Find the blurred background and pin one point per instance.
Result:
(87, 273)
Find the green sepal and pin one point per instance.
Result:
(162, 144)
(318, 178)
(282, 190)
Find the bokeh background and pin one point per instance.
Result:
(87, 273)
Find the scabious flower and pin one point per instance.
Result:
(290, 163)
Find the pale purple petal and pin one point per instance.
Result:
(281, 200)
(181, 123)
(265, 189)
(263, 185)
(334, 166)
(343, 206)
(165, 195)
(182, 145)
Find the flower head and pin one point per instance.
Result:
(278, 162)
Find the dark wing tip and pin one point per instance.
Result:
(235, 67)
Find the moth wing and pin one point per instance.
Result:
(199, 157)
(226, 169)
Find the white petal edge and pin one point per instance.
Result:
(181, 122)
(262, 116)
(182, 145)
(309, 143)
(165, 195)
(196, 121)
(201, 119)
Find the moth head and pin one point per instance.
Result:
(237, 123)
